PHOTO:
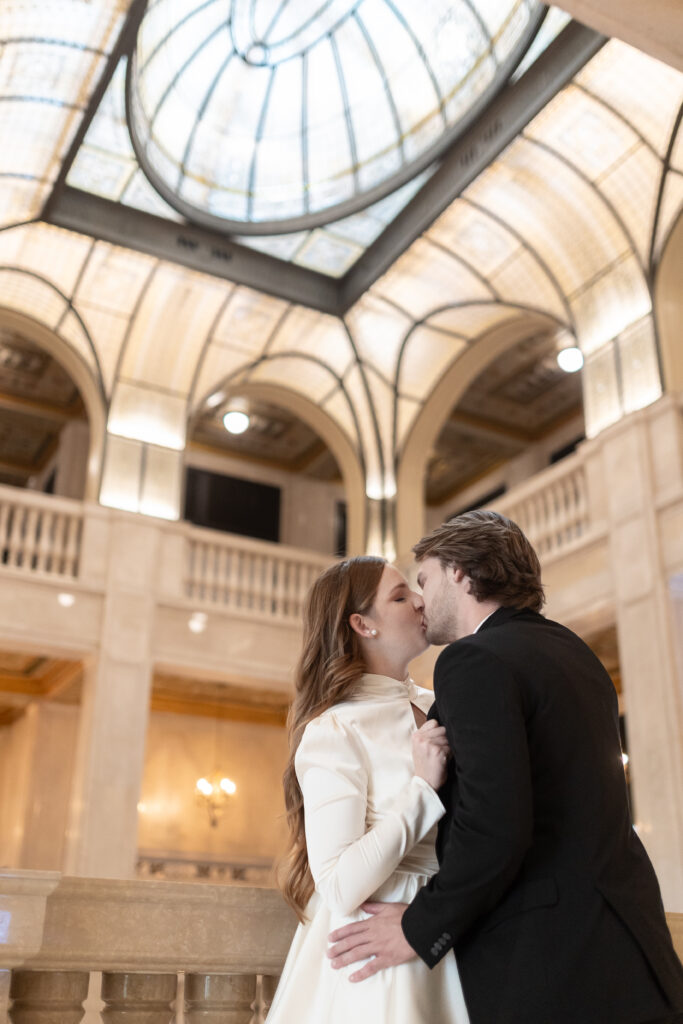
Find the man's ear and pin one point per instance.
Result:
(458, 574)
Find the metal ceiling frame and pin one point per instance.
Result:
(217, 254)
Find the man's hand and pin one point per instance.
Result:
(380, 937)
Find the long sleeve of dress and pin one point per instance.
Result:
(350, 858)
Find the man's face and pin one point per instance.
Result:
(439, 593)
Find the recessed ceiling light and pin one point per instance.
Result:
(66, 600)
(235, 422)
(570, 359)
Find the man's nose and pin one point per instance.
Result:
(418, 603)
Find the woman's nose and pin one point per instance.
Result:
(418, 603)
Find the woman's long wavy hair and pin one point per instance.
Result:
(328, 671)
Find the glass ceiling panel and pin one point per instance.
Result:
(106, 165)
(50, 64)
(426, 277)
(262, 119)
(426, 356)
(555, 21)
(646, 92)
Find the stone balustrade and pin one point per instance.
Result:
(254, 576)
(166, 951)
(553, 508)
(40, 533)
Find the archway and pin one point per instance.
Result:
(668, 306)
(326, 429)
(40, 336)
(413, 459)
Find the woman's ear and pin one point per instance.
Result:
(358, 625)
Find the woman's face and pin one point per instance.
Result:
(396, 614)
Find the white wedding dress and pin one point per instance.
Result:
(370, 833)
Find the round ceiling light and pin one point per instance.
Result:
(570, 359)
(236, 422)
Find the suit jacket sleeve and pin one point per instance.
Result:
(348, 859)
(480, 705)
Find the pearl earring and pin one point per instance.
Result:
(373, 632)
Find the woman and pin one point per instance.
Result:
(362, 815)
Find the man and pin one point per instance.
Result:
(544, 891)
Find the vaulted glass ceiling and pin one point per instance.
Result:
(268, 115)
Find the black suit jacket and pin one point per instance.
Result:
(544, 890)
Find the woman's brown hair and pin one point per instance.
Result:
(328, 671)
(493, 552)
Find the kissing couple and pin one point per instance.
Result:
(469, 854)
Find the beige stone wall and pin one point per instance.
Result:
(36, 770)
(182, 748)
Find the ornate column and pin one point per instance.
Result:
(642, 462)
(102, 833)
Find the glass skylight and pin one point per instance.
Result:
(266, 116)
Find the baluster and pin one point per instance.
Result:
(72, 545)
(222, 570)
(47, 997)
(219, 998)
(249, 573)
(268, 584)
(190, 570)
(138, 998)
(280, 603)
(4, 531)
(240, 559)
(16, 536)
(268, 986)
(541, 515)
(203, 571)
(214, 578)
(568, 509)
(31, 538)
(530, 528)
(45, 542)
(57, 543)
(231, 576)
(582, 514)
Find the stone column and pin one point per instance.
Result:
(102, 834)
(72, 459)
(643, 471)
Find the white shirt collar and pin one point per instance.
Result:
(485, 619)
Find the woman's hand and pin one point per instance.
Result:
(431, 753)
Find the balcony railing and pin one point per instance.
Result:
(39, 533)
(51, 537)
(253, 576)
(552, 507)
(167, 951)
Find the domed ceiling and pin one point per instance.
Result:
(266, 116)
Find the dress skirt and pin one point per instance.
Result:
(312, 992)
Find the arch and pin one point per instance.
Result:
(668, 307)
(333, 436)
(412, 462)
(82, 376)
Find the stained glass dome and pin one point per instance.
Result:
(265, 116)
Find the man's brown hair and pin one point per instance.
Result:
(492, 550)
